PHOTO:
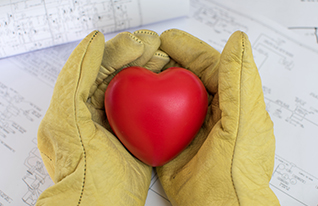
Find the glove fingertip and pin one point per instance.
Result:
(157, 62)
(148, 36)
(121, 50)
(230, 81)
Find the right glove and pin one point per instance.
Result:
(231, 160)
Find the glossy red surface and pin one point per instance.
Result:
(155, 115)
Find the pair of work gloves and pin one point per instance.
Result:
(230, 161)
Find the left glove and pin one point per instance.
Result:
(87, 163)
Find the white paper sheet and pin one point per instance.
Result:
(300, 16)
(288, 72)
(289, 13)
(26, 86)
(34, 24)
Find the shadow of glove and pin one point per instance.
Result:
(230, 162)
(87, 163)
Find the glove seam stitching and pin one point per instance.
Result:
(185, 33)
(46, 156)
(80, 137)
(241, 69)
(145, 31)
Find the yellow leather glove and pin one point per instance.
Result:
(230, 162)
(87, 163)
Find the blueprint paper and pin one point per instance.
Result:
(300, 16)
(288, 72)
(26, 87)
(288, 13)
(28, 25)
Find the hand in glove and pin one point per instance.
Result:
(230, 162)
(85, 160)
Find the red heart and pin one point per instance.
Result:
(155, 115)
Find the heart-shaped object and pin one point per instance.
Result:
(155, 116)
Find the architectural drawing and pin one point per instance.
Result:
(295, 182)
(299, 114)
(35, 177)
(5, 197)
(13, 106)
(29, 25)
(45, 64)
(309, 32)
(218, 19)
(266, 47)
